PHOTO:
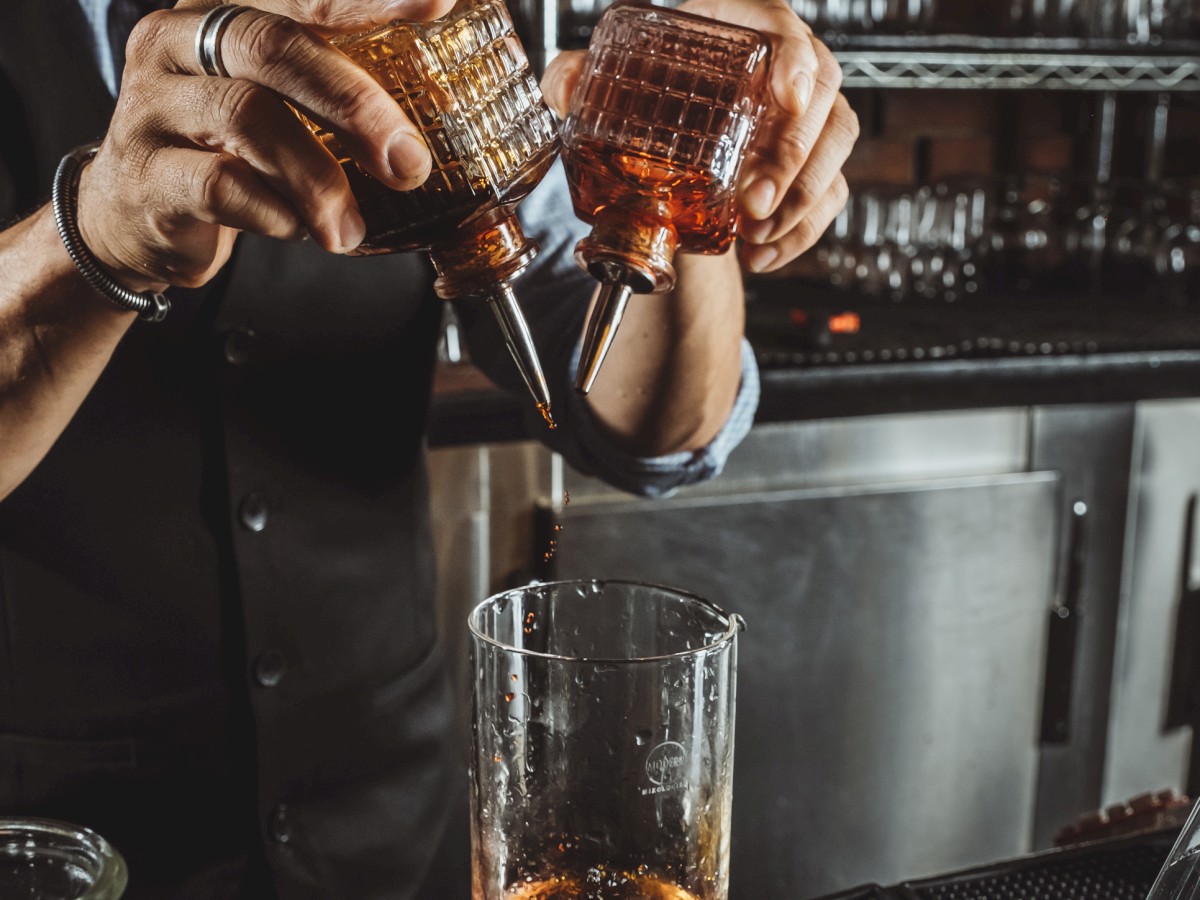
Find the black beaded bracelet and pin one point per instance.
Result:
(150, 306)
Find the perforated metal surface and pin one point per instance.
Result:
(1122, 869)
(1125, 874)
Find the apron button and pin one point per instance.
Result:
(269, 668)
(279, 825)
(253, 512)
(238, 347)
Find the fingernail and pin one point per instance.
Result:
(762, 257)
(760, 197)
(352, 231)
(758, 232)
(804, 86)
(408, 156)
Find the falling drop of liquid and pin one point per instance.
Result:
(642, 737)
(544, 409)
(508, 698)
(514, 676)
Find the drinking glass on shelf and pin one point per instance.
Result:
(602, 752)
(1138, 22)
(1176, 252)
(927, 242)
(863, 16)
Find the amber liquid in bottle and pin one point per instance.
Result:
(659, 126)
(465, 81)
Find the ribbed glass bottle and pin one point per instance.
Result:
(658, 129)
(465, 81)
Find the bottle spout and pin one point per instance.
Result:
(517, 338)
(601, 329)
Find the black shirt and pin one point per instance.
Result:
(218, 630)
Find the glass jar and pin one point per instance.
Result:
(48, 860)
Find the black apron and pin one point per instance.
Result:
(218, 645)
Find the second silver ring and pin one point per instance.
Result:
(209, 36)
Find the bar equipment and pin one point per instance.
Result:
(659, 126)
(602, 760)
(466, 82)
(48, 860)
(1180, 875)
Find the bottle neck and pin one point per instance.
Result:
(488, 251)
(633, 247)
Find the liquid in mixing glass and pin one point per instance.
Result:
(601, 884)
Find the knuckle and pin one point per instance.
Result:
(829, 70)
(215, 184)
(243, 104)
(841, 193)
(320, 12)
(147, 36)
(270, 40)
(326, 194)
(793, 144)
(356, 100)
(802, 195)
(844, 120)
(806, 236)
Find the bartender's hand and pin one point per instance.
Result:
(792, 184)
(189, 160)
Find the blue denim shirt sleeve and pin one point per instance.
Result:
(554, 294)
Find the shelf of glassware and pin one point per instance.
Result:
(1016, 64)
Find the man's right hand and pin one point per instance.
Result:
(190, 160)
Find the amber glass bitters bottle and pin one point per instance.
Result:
(658, 128)
(465, 81)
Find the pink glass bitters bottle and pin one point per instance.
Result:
(465, 81)
(658, 129)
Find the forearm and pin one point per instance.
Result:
(56, 336)
(673, 373)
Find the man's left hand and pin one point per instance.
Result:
(792, 186)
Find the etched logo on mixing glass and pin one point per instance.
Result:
(665, 767)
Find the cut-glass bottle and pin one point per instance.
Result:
(659, 125)
(465, 81)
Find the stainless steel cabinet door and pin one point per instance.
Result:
(1146, 750)
(891, 674)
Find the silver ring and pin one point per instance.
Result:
(208, 38)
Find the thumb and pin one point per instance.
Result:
(560, 78)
